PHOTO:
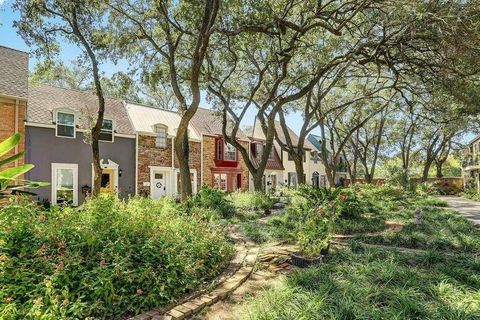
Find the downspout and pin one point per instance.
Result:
(136, 163)
(173, 154)
(16, 128)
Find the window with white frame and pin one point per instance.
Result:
(161, 138)
(65, 124)
(106, 133)
(65, 183)
(230, 152)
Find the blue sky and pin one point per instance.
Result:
(10, 38)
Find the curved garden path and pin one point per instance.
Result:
(468, 208)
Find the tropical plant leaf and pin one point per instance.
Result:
(9, 144)
(12, 158)
(12, 173)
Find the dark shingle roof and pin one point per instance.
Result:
(207, 121)
(44, 99)
(273, 164)
(13, 73)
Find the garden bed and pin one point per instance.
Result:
(107, 259)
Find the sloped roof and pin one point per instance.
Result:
(209, 122)
(13, 73)
(272, 164)
(258, 134)
(44, 99)
(144, 118)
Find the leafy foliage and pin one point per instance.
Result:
(10, 181)
(213, 200)
(107, 259)
(375, 284)
(250, 200)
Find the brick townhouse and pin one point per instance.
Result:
(223, 166)
(13, 95)
(157, 167)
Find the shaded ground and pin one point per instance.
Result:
(469, 208)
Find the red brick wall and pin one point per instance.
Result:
(7, 124)
(195, 161)
(209, 163)
(150, 155)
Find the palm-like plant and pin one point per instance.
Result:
(10, 183)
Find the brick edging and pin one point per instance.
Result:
(237, 272)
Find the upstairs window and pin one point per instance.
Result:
(230, 152)
(219, 150)
(271, 154)
(161, 138)
(65, 124)
(106, 133)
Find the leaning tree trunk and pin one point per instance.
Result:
(258, 182)
(300, 172)
(330, 176)
(439, 169)
(404, 178)
(183, 154)
(426, 169)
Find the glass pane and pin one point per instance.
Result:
(65, 118)
(158, 175)
(65, 131)
(107, 124)
(64, 179)
(106, 136)
(105, 180)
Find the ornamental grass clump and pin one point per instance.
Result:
(108, 259)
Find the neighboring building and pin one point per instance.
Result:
(157, 166)
(289, 175)
(13, 96)
(273, 175)
(57, 131)
(471, 164)
(222, 165)
(341, 174)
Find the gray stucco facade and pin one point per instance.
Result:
(44, 148)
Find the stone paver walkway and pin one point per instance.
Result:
(469, 208)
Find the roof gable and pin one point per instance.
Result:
(145, 118)
(209, 122)
(14, 73)
(258, 134)
(44, 100)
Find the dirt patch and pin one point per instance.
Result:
(391, 227)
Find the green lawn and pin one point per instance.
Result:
(359, 283)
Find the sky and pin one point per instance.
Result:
(10, 38)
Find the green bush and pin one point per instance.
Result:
(347, 204)
(250, 200)
(107, 259)
(211, 199)
(471, 194)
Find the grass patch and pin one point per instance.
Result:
(375, 284)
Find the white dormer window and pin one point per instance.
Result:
(161, 139)
(230, 152)
(65, 124)
(106, 133)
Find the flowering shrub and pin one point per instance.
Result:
(107, 259)
(314, 234)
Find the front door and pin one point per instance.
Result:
(159, 187)
(108, 182)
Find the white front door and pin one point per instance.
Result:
(159, 185)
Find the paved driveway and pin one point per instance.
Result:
(470, 209)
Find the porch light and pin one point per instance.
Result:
(120, 171)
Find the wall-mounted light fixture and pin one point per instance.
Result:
(120, 171)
